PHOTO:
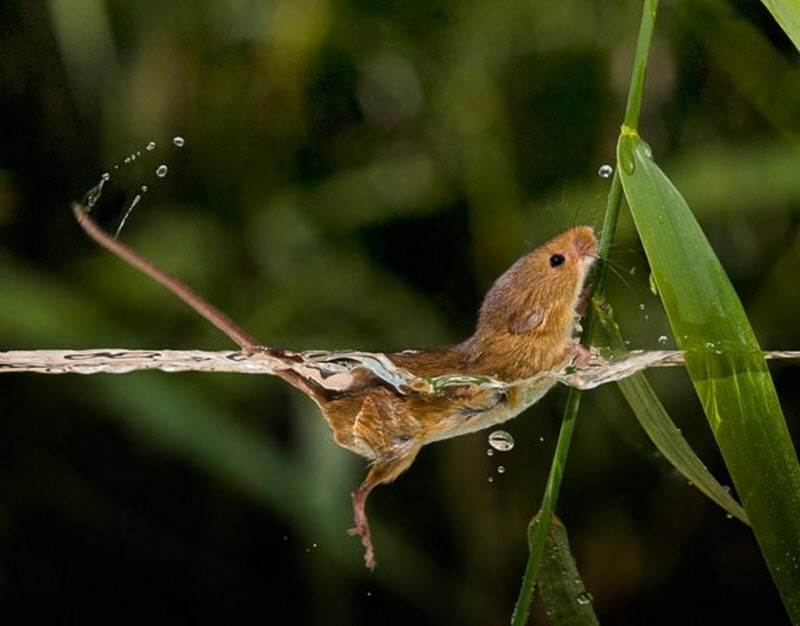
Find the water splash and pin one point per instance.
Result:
(127, 213)
(93, 195)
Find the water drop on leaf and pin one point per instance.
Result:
(584, 597)
(653, 285)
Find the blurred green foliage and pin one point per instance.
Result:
(355, 174)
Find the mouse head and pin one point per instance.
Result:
(538, 294)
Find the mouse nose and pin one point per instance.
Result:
(585, 241)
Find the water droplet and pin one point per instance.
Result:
(501, 469)
(626, 157)
(150, 146)
(161, 171)
(105, 176)
(605, 171)
(490, 452)
(501, 440)
(178, 141)
(127, 160)
(127, 214)
(584, 597)
(662, 339)
(144, 188)
(491, 479)
(641, 306)
(541, 439)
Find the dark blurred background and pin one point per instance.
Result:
(354, 175)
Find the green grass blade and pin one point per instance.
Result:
(538, 530)
(724, 361)
(661, 430)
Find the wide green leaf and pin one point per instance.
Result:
(724, 361)
(787, 14)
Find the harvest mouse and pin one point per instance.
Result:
(386, 407)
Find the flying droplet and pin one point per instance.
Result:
(605, 171)
(151, 146)
(161, 171)
(144, 188)
(501, 440)
(662, 339)
(105, 176)
(178, 141)
(127, 214)
(490, 452)
(501, 469)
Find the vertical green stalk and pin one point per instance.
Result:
(541, 522)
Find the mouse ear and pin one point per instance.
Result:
(523, 321)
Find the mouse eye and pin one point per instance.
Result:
(556, 260)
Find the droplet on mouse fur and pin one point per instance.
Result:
(501, 440)
(161, 171)
(605, 171)
(178, 141)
